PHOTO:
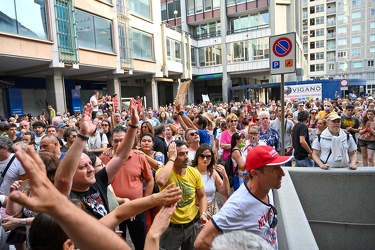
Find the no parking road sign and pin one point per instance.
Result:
(283, 53)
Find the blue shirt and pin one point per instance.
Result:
(271, 138)
(204, 136)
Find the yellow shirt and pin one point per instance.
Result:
(189, 182)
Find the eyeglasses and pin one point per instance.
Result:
(205, 156)
(253, 133)
(74, 136)
(272, 219)
(233, 121)
(144, 127)
(193, 133)
(104, 125)
(313, 113)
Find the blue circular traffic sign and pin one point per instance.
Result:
(282, 47)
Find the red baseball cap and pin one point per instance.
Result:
(262, 156)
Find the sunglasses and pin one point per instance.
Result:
(205, 156)
(193, 133)
(104, 125)
(253, 133)
(313, 113)
(144, 127)
(272, 219)
(234, 121)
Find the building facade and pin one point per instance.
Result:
(58, 52)
(339, 40)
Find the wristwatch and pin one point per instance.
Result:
(23, 222)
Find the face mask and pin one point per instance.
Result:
(242, 144)
(327, 107)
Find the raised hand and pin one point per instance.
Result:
(86, 126)
(44, 197)
(172, 151)
(134, 118)
(168, 196)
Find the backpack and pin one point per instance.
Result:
(229, 169)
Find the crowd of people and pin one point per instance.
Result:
(156, 172)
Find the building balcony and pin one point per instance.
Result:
(331, 47)
(331, 11)
(332, 59)
(305, 27)
(331, 35)
(305, 39)
(331, 23)
(331, 1)
(206, 35)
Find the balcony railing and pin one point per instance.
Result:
(206, 35)
(331, 35)
(331, 10)
(248, 29)
(331, 47)
(331, 23)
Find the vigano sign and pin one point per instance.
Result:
(303, 92)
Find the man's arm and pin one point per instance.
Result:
(158, 227)
(47, 199)
(168, 196)
(206, 237)
(353, 160)
(186, 122)
(164, 173)
(68, 166)
(201, 195)
(125, 147)
(302, 141)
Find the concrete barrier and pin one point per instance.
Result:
(339, 205)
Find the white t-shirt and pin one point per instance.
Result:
(12, 175)
(93, 99)
(96, 141)
(324, 147)
(243, 211)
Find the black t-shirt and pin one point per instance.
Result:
(300, 130)
(95, 199)
(161, 146)
(349, 122)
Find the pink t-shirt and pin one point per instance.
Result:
(225, 138)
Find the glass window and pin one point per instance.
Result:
(201, 57)
(372, 25)
(356, 14)
(341, 42)
(320, 20)
(122, 41)
(356, 52)
(198, 6)
(356, 27)
(94, 32)
(372, 38)
(357, 65)
(319, 32)
(85, 29)
(207, 5)
(218, 54)
(264, 18)
(190, 7)
(356, 3)
(231, 2)
(164, 12)
(103, 34)
(168, 49)
(372, 50)
(142, 45)
(341, 17)
(331, 66)
(341, 30)
(177, 51)
(356, 39)
(319, 56)
(343, 66)
(216, 4)
(16, 18)
(193, 52)
(319, 8)
(141, 8)
(254, 20)
(237, 52)
(372, 12)
(341, 54)
(319, 67)
(341, 5)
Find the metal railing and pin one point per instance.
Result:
(248, 29)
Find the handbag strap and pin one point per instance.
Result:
(6, 168)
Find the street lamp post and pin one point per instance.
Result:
(175, 12)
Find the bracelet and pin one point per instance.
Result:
(205, 214)
(132, 126)
(83, 137)
(23, 222)
(181, 113)
(171, 160)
